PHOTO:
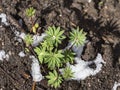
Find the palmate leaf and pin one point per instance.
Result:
(30, 11)
(28, 39)
(67, 73)
(47, 46)
(54, 79)
(77, 36)
(54, 59)
(68, 56)
(41, 53)
(54, 35)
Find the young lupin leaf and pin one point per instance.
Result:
(41, 53)
(28, 40)
(30, 11)
(47, 46)
(54, 59)
(67, 73)
(54, 35)
(68, 56)
(77, 36)
(54, 79)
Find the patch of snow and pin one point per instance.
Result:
(4, 19)
(3, 55)
(89, 1)
(82, 70)
(21, 54)
(78, 50)
(116, 84)
(19, 36)
(36, 72)
(37, 39)
(22, 35)
(99, 63)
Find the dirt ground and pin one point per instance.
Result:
(99, 18)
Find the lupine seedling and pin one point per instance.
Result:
(30, 12)
(50, 55)
(77, 36)
(54, 79)
(67, 73)
(54, 35)
(28, 40)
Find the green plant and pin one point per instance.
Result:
(30, 11)
(54, 35)
(28, 40)
(77, 36)
(68, 56)
(54, 59)
(54, 79)
(67, 73)
(50, 55)
(41, 53)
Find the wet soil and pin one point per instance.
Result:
(99, 18)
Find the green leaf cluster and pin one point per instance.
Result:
(54, 79)
(67, 73)
(30, 11)
(77, 36)
(68, 56)
(48, 52)
(28, 40)
(54, 58)
(54, 35)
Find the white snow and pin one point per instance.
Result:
(22, 35)
(36, 72)
(4, 19)
(37, 39)
(89, 1)
(78, 50)
(82, 70)
(19, 36)
(116, 84)
(3, 55)
(21, 54)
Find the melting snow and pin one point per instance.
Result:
(89, 1)
(21, 54)
(3, 55)
(19, 36)
(36, 72)
(78, 50)
(82, 70)
(37, 39)
(4, 19)
(115, 86)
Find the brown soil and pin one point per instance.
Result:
(100, 20)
